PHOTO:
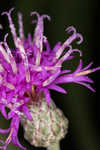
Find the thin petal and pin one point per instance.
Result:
(26, 112)
(4, 131)
(88, 66)
(79, 67)
(86, 85)
(47, 95)
(15, 141)
(3, 111)
(65, 71)
(57, 88)
(57, 46)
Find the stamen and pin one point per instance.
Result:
(74, 36)
(36, 68)
(21, 32)
(24, 57)
(38, 57)
(9, 85)
(35, 13)
(66, 56)
(1, 68)
(12, 27)
(80, 38)
(38, 36)
(2, 50)
(46, 16)
(45, 83)
(51, 78)
(13, 63)
(1, 78)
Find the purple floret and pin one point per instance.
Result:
(33, 67)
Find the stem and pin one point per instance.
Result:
(54, 146)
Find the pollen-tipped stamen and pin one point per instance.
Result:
(4, 53)
(1, 68)
(21, 32)
(12, 27)
(11, 58)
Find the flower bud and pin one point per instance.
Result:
(49, 125)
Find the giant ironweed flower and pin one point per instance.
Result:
(33, 67)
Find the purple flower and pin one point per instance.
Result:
(28, 70)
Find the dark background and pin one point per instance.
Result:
(80, 105)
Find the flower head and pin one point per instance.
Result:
(28, 70)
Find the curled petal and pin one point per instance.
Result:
(71, 29)
(8, 13)
(35, 13)
(79, 36)
(12, 27)
(77, 50)
(66, 56)
(69, 40)
(74, 36)
(46, 16)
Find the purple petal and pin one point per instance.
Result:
(88, 66)
(56, 47)
(4, 131)
(16, 142)
(64, 79)
(95, 69)
(26, 112)
(11, 114)
(79, 67)
(86, 85)
(65, 71)
(57, 88)
(47, 95)
(70, 58)
(3, 111)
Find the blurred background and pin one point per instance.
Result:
(80, 105)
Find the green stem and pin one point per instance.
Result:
(54, 146)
